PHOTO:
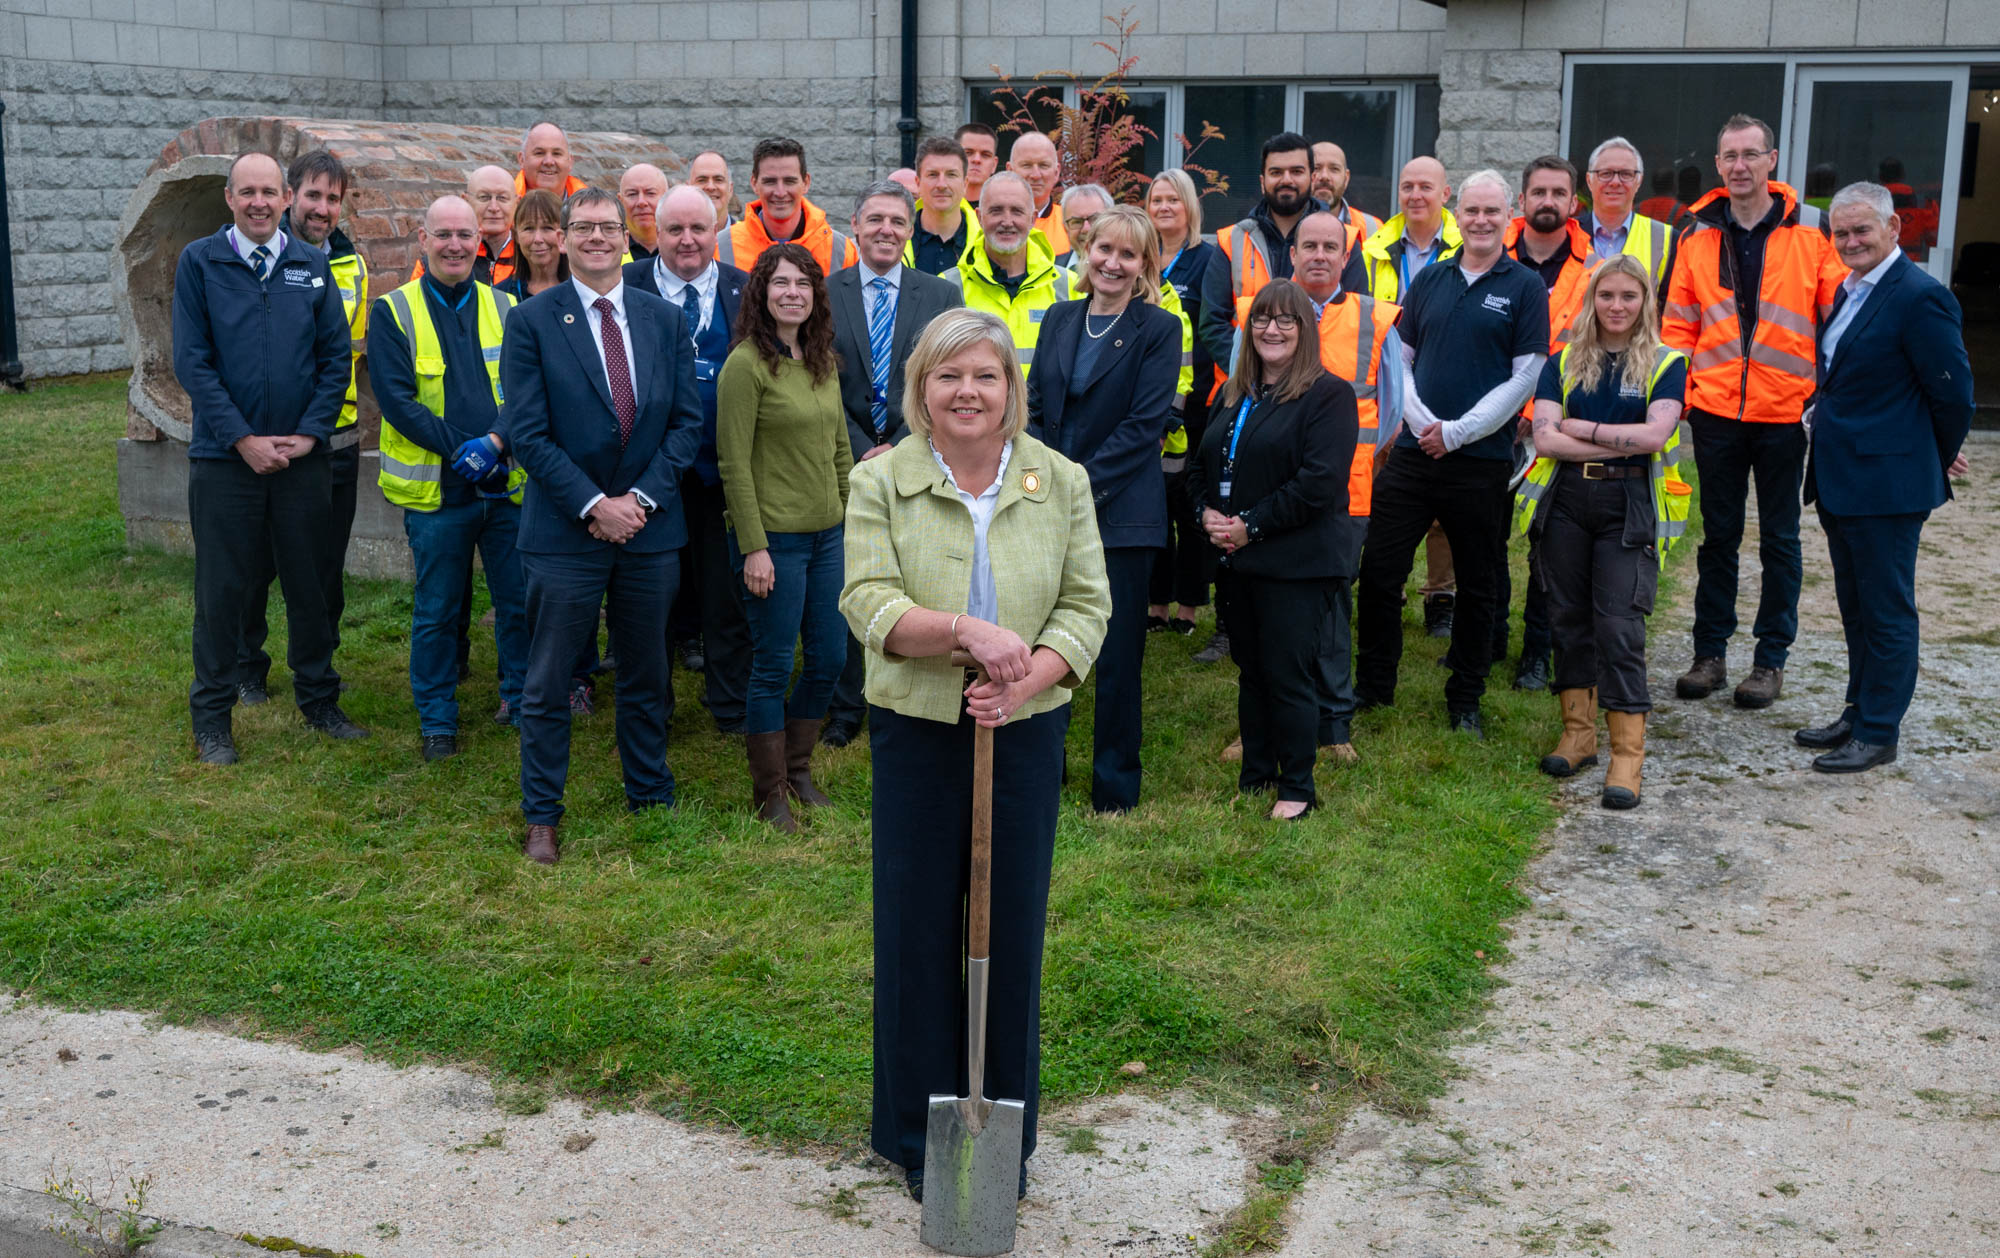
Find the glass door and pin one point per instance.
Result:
(1902, 127)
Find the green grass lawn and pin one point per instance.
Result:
(695, 963)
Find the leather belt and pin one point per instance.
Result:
(1609, 471)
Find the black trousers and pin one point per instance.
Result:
(344, 472)
(241, 521)
(1183, 571)
(564, 593)
(922, 819)
(1600, 570)
(1729, 455)
(1469, 500)
(1118, 726)
(1279, 631)
(1875, 583)
(1537, 632)
(709, 584)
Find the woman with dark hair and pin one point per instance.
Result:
(1270, 482)
(538, 249)
(781, 445)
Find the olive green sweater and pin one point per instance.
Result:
(781, 444)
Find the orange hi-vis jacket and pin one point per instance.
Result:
(1051, 225)
(571, 186)
(1352, 330)
(1566, 298)
(747, 239)
(1764, 375)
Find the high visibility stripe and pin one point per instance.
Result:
(1791, 321)
(1365, 390)
(726, 250)
(412, 471)
(1717, 356)
(1772, 356)
(344, 437)
(1724, 309)
(1682, 310)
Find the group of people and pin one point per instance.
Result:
(962, 454)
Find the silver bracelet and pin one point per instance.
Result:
(954, 628)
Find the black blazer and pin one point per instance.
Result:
(919, 299)
(1115, 427)
(729, 283)
(1290, 481)
(565, 433)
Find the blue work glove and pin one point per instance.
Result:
(477, 458)
(495, 484)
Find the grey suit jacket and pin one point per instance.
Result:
(920, 299)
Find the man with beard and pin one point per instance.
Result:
(319, 185)
(1330, 179)
(1010, 271)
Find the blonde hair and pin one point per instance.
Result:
(1183, 185)
(1131, 224)
(1588, 359)
(949, 335)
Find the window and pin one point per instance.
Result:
(1671, 111)
(1246, 114)
(994, 106)
(1363, 122)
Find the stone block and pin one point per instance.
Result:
(1274, 55)
(1420, 15)
(218, 52)
(1485, 24)
(1336, 55)
(808, 59)
(855, 58)
(426, 62)
(199, 14)
(1727, 24)
(1472, 111)
(473, 61)
(972, 17)
(1246, 16)
(445, 27)
(1399, 54)
(1901, 23)
(309, 21)
(1973, 22)
(405, 27)
(235, 15)
(1371, 15)
(1566, 23)
(1166, 54)
(1644, 23)
(1813, 23)
(833, 19)
(658, 59)
(757, 58)
(1306, 16)
(781, 19)
(1538, 109)
(587, 23)
(113, 10)
(272, 19)
(138, 45)
(47, 38)
(1059, 18)
(1524, 69)
(181, 48)
(1186, 17)
(565, 63)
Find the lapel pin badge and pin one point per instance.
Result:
(568, 318)
(1119, 343)
(1030, 483)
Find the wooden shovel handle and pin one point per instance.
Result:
(979, 888)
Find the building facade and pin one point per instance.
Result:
(94, 88)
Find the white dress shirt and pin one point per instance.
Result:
(704, 286)
(1858, 288)
(244, 246)
(594, 318)
(982, 600)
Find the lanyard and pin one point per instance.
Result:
(1403, 262)
(1228, 480)
(660, 274)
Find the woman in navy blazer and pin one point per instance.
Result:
(1101, 393)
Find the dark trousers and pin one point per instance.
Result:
(442, 543)
(1468, 498)
(1537, 630)
(241, 521)
(1117, 726)
(1280, 630)
(1182, 571)
(802, 610)
(1335, 679)
(707, 577)
(1601, 574)
(344, 472)
(1728, 455)
(1875, 583)
(922, 819)
(564, 593)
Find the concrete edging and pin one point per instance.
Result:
(29, 1219)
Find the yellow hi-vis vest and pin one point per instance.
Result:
(411, 476)
(1670, 493)
(350, 276)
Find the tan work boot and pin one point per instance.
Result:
(1628, 759)
(767, 780)
(801, 735)
(1577, 748)
(1761, 688)
(1233, 753)
(1703, 678)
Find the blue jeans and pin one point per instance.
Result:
(804, 603)
(1728, 454)
(442, 543)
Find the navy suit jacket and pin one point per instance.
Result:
(1895, 401)
(919, 299)
(729, 283)
(1115, 426)
(565, 433)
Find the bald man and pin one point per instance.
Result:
(546, 162)
(444, 464)
(709, 171)
(490, 191)
(1330, 179)
(261, 345)
(640, 190)
(1035, 160)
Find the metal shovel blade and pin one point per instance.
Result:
(972, 1165)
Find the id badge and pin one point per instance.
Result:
(704, 369)
(1222, 489)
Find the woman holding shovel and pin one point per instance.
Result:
(969, 538)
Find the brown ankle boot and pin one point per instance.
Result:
(1578, 747)
(801, 735)
(767, 780)
(1628, 758)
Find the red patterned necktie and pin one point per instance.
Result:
(616, 369)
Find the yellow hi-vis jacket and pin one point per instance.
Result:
(350, 276)
(1671, 494)
(1042, 285)
(411, 476)
(1382, 253)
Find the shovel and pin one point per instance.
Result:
(972, 1145)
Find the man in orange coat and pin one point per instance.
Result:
(546, 162)
(782, 212)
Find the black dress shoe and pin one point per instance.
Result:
(1855, 757)
(839, 732)
(1469, 722)
(1828, 736)
(1021, 1193)
(326, 717)
(439, 746)
(1182, 626)
(215, 747)
(693, 658)
(914, 1177)
(1532, 674)
(252, 693)
(1156, 624)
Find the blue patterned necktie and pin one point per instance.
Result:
(260, 261)
(881, 335)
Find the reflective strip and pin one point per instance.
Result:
(1239, 259)
(1791, 321)
(725, 249)
(1772, 356)
(1724, 309)
(412, 471)
(1027, 357)
(343, 437)
(1364, 348)
(836, 257)
(399, 305)
(1717, 356)
(954, 278)
(1682, 310)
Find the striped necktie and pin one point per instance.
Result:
(881, 336)
(260, 261)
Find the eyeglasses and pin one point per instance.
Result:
(1616, 176)
(1747, 157)
(594, 229)
(1079, 222)
(1283, 322)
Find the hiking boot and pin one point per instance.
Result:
(1233, 753)
(1703, 678)
(1438, 609)
(326, 717)
(1469, 722)
(1216, 651)
(252, 693)
(1628, 759)
(440, 747)
(215, 747)
(1761, 688)
(1532, 674)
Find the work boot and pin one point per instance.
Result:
(1761, 688)
(252, 693)
(1438, 610)
(1532, 673)
(801, 734)
(1628, 758)
(1216, 651)
(326, 717)
(1577, 748)
(1703, 678)
(215, 746)
(767, 780)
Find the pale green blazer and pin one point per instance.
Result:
(909, 544)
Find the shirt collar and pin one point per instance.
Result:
(243, 245)
(671, 284)
(1855, 282)
(588, 295)
(1319, 307)
(999, 474)
(1598, 227)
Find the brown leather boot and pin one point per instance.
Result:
(1761, 688)
(1703, 678)
(767, 780)
(801, 736)
(1628, 758)
(541, 845)
(1577, 748)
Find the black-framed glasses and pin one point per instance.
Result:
(1283, 322)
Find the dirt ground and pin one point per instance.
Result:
(1758, 1016)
